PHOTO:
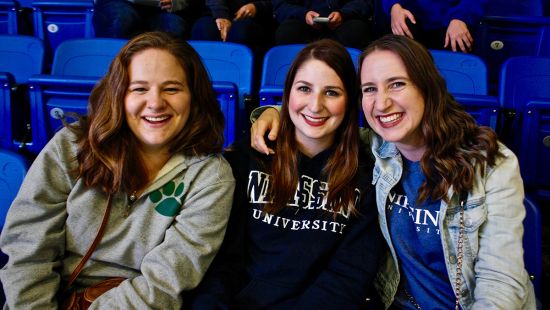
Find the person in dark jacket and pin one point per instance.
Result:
(437, 24)
(302, 21)
(303, 233)
(240, 21)
(127, 18)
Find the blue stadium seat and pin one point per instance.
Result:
(525, 95)
(8, 17)
(501, 37)
(466, 78)
(57, 21)
(544, 49)
(276, 63)
(20, 57)
(13, 168)
(230, 66)
(77, 66)
(532, 243)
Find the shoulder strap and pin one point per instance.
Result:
(96, 241)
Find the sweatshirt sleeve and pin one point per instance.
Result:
(388, 4)
(34, 233)
(219, 9)
(468, 11)
(179, 263)
(227, 275)
(361, 9)
(289, 9)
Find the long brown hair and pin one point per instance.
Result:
(341, 168)
(455, 144)
(107, 154)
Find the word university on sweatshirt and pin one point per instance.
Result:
(309, 203)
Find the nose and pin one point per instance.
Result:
(316, 103)
(155, 100)
(382, 101)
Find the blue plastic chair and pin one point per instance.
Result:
(77, 66)
(57, 21)
(525, 95)
(230, 66)
(466, 78)
(8, 17)
(276, 63)
(501, 37)
(532, 243)
(544, 49)
(20, 57)
(13, 168)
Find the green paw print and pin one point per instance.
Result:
(171, 196)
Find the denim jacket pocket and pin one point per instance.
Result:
(475, 214)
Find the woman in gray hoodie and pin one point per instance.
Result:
(150, 147)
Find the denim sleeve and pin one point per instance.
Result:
(501, 280)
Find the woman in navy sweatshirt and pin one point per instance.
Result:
(303, 231)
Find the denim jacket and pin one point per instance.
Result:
(493, 273)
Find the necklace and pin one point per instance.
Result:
(131, 199)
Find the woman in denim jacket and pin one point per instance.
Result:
(449, 195)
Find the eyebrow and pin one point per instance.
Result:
(325, 87)
(389, 80)
(140, 82)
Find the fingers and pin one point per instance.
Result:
(257, 140)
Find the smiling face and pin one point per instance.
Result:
(317, 106)
(158, 99)
(393, 105)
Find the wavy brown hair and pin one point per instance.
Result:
(342, 166)
(455, 144)
(108, 150)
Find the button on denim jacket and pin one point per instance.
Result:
(493, 273)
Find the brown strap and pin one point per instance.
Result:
(97, 239)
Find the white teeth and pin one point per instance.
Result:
(315, 120)
(156, 119)
(391, 118)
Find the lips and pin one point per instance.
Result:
(315, 121)
(156, 119)
(390, 120)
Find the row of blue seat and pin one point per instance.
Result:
(511, 28)
(519, 113)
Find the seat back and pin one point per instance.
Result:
(77, 66)
(275, 67)
(85, 57)
(230, 66)
(20, 57)
(466, 78)
(57, 21)
(501, 37)
(532, 243)
(544, 49)
(8, 17)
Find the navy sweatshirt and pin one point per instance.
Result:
(303, 256)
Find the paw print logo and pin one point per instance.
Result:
(168, 198)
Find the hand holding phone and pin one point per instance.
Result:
(321, 20)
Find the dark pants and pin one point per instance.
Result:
(123, 19)
(352, 33)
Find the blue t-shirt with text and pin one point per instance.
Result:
(414, 231)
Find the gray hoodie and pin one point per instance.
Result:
(163, 242)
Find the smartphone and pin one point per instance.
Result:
(321, 20)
